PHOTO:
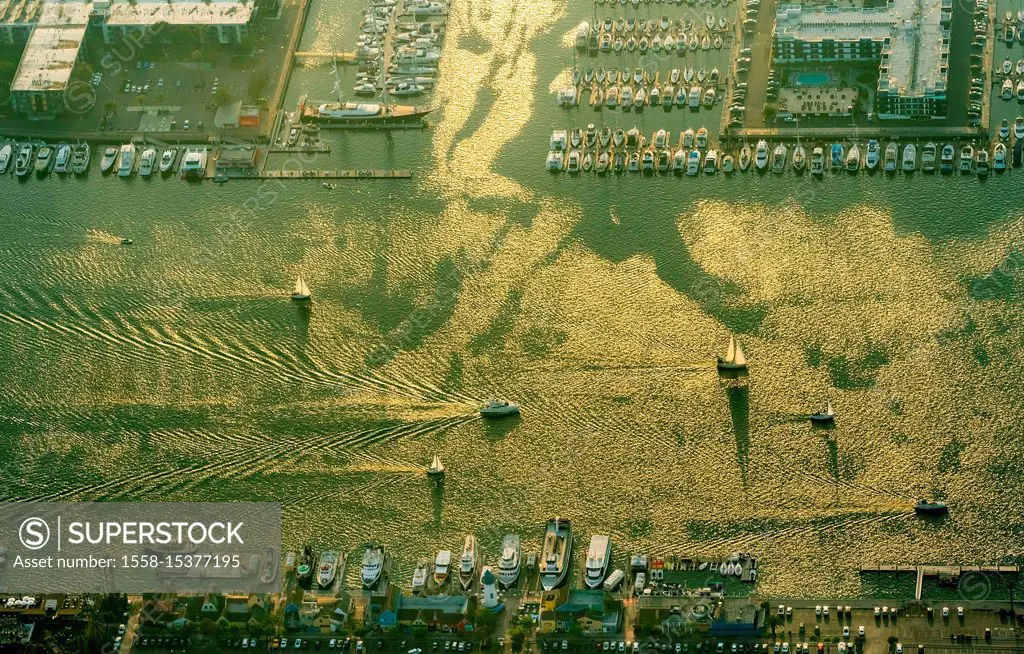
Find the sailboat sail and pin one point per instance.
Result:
(730, 353)
(738, 357)
(828, 408)
(301, 290)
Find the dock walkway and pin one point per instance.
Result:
(923, 571)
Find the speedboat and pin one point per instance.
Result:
(126, 160)
(1020, 90)
(891, 154)
(23, 162)
(442, 567)
(1004, 129)
(5, 157)
(63, 161)
(167, 159)
(872, 157)
(799, 158)
(981, 164)
(108, 159)
(779, 155)
(510, 561)
(966, 158)
(81, 154)
(711, 162)
(556, 553)
(1007, 66)
(500, 408)
(467, 562)
(419, 576)
(660, 139)
(44, 160)
(930, 507)
(999, 157)
(327, 569)
(599, 556)
(693, 163)
(837, 156)
(147, 161)
(825, 415)
(373, 565)
(853, 159)
(734, 359)
(817, 160)
(1018, 128)
(946, 158)
(701, 141)
(688, 138)
(728, 164)
(744, 161)
(761, 155)
(679, 161)
(1007, 89)
(909, 158)
(928, 153)
(709, 97)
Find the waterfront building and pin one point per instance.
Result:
(449, 613)
(907, 39)
(589, 612)
(489, 591)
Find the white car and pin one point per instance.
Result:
(824, 610)
(120, 630)
(817, 610)
(298, 644)
(565, 644)
(789, 611)
(885, 611)
(846, 632)
(785, 648)
(899, 648)
(284, 643)
(636, 646)
(945, 611)
(860, 630)
(332, 643)
(960, 611)
(782, 609)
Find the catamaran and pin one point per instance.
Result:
(734, 358)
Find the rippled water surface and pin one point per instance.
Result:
(178, 369)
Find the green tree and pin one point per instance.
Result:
(257, 83)
(223, 97)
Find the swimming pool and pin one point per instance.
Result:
(811, 79)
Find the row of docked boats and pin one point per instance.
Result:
(23, 159)
(127, 160)
(625, 89)
(636, 3)
(665, 35)
(415, 48)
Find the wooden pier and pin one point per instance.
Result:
(948, 571)
(361, 173)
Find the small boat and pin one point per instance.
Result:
(419, 576)
(656, 43)
(634, 162)
(702, 75)
(436, 469)
(694, 43)
(664, 23)
(711, 162)
(556, 553)
(836, 155)
(588, 76)
(717, 43)
(799, 158)
(688, 138)
(1004, 129)
(599, 556)
(734, 358)
(909, 164)
(126, 241)
(946, 158)
(705, 43)
(872, 157)
(728, 164)
(221, 178)
(601, 75)
(617, 44)
(779, 155)
(693, 163)
(63, 161)
(999, 157)
(1020, 90)
(373, 565)
(44, 160)
(681, 96)
(631, 43)
(660, 139)
(167, 160)
(604, 137)
(688, 74)
(1020, 15)
(702, 138)
(694, 98)
(817, 161)
(619, 163)
(365, 89)
(825, 415)
(108, 159)
(618, 137)
(126, 160)
(640, 99)
(602, 162)
(673, 77)
(638, 75)
(744, 158)
(761, 155)
(467, 562)
(679, 161)
(1007, 89)
(633, 137)
(889, 162)
(576, 137)
(645, 44)
(588, 162)
(301, 291)
(1018, 128)
(648, 161)
(442, 567)
(670, 43)
(590, 135)
(498, 409)
(627, 97)
(966, 158)
(853, 159)
(667, 93)
(714, 76)
(928, 153)
(654, 97)
(555, 161)
(5, 157)
(709, 20)
(327, 569)
(981, 163)
(709, 97)
(611, 97)
(930, 507)
(1007, 66)
(147, 161)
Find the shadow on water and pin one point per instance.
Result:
(739, 410)
(437, 499)
(499, 428)
(303, 311)
(833, 457)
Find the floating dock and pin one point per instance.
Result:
(948, 571)
(362, 173)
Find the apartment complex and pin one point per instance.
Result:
(907, 39)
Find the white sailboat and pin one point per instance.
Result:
(827, 413)
(436, 468)
(734, 358)
(301, 291)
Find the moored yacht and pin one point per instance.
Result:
(81, 154)
(761, 155)
(442, 567)
(889, 162)
(711, 162)
(744, 161)
(167, 159)
(966, 158)
(946, 158)
(510, 562)
(872, 157)
(44, 160)
(799, 158)
(23, 162)
(6, 152)
(853, 159)
(693, 163)
(837, 155)
(146, 162)
(467, 562)
(419, 576)
(126, 160)
(556, 554)
(909, 158)
(817, 161)
(999, 157)
(1018, 128)
(373, 565)
(928, 154)
(327, 569)
(62, 163)
(779, 155)
(599, 556)
(108, 159)
(981, 165)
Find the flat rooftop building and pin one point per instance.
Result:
(908, 38)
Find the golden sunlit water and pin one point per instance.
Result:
(178, 369)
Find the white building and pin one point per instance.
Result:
(488, 593)
(227, 21)
(908, 38)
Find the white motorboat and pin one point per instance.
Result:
(1007, 89)
(981, 161)
(373, 565)
(555, 161)
(510, 561)
(711, 162)
(599, 556)
(889, 161)
(928, 154)
(327, 569)
(44, 160)
(966, 158)
(62, 163)
(126, 160)
(873, 155)
(817, 161)
(6, 152)
(500, 408)
(946, 158)
(1007, 66)
(167, 159)
(909, 163)
(146, 162)
(745, 157)
(688, 136)
(693, 163)
(419, 576)
(406, 89)
(679, 161)
(556, 554)
(694, 100)
(442, 567)
(709, 97)
(761, 155)
(1018, 128)
(467, 562)
(999, 157)
(853, 158)
(108, 159)
(1004, 129)
(701, 141)
(728, 164)
(1020, 66)
(779, 155)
